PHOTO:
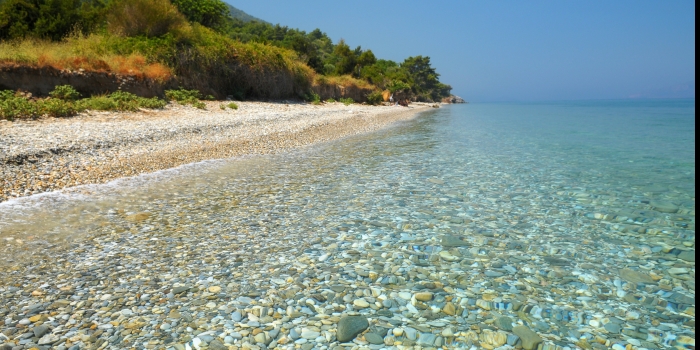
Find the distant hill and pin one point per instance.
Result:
(236, 13)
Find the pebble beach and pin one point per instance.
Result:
(96, 147)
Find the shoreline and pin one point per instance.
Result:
(97, 147)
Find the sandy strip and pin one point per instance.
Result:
(97, 147)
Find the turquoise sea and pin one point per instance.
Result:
(574, 219)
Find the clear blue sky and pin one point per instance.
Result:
(518, 50)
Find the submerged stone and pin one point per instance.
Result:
(350, 326)
(635, 276)
(529, 338)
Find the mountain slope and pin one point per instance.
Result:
(239, 14)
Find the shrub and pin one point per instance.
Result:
(182, 95)
(65, 92)
(209, 13)
(312, 97)
(187, 97)
(152, 103)
(12, 106)
(150, 18)
(233, 105)
(397, 85)
(330, 100)
(56, 108)
(347, 101)
(97, 103)
(375, 98)
(120, 101)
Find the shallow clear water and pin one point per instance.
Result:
(603, 185)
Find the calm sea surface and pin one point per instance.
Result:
(588, 205)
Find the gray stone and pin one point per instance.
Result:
(179, 290)
(664, 207)
(374, 338)
(410, 333)
(453, 241)
(39, 331)
(613, 328)
(236, 316)
(350, 326)
(310, 335)
(491, 273)
(48, 339)
(680, 298)
(505, 323)
(556, 261)
(426, 339)
(529, 338)
(438, 342)
(512, 339)
(206, 338)
(687, 255)
(217, 345)
(635, 276)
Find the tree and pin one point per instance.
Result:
(49, 19)
(17, 18)
(365, 59)
(424, 78)
(209, 13)
(57, 18)
(344, 57)
(144, 17)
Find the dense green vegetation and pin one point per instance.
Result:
(66, 102)
(203, 45)
(317, 50)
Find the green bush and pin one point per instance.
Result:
(312, 97)
(209, 13)
(330, 100)
(182, 95)
(126, 101)
(152, 103)
(375, 98)
(397, 85)
(347, 101)
(187, 97)
(12, 106)
(150, 18)
(65, 92)
(98, 103)
(56, 108)
(233, 105)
